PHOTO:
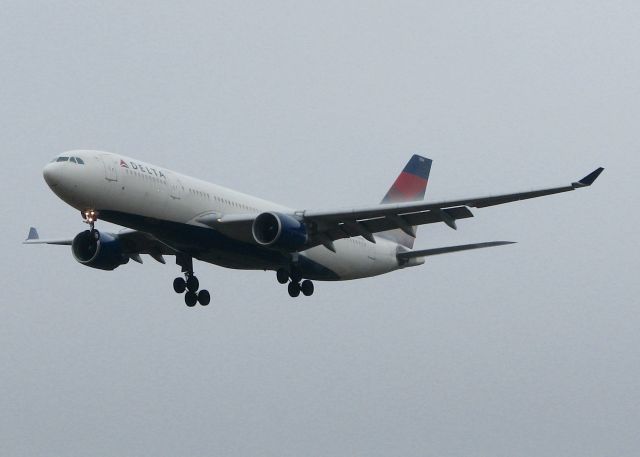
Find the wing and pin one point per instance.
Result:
(327, 226)
(133, 242)
(34, 238)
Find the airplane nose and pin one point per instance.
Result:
(50, 175)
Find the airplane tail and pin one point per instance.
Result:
(409, 186)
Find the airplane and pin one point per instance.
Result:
(170, 214)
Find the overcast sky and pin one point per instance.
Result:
(529, 350)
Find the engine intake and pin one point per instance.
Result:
(279, 231)
(104, 252)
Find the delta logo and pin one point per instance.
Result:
(142, 168)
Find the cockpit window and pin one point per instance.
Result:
(79, 160)
(62, 159)
(72, 159)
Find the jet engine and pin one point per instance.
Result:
(98, 250)
(279, 231)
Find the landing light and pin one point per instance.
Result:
(90, 215)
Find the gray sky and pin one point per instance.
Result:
(529, 350)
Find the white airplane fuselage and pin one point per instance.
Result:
(167, 204)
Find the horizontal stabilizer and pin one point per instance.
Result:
(448, 249)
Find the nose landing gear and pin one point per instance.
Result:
(190, 284)
(295, 286)
(90, 216)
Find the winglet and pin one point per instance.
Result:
(589, 179)
(33, 234)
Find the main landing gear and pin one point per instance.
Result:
(295, 286)
(190, 284)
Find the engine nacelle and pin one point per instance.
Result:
(279, 231)
(104, 253)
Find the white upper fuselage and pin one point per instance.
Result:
(137, 191)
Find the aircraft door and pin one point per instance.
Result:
(110, 168)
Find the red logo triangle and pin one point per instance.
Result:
(123, 164)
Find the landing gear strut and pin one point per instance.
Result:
(295, 286)
(190, 284)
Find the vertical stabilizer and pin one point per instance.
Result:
(409, 186)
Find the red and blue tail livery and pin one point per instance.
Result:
(411, 185)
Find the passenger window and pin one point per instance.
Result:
(62, 159)
(79, 161)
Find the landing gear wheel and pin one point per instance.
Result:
(96, 234)
(190, 298)
(203, 297)
(282, 275)
(179, 285)
(192, 283)
(295, 276)
(307, 288)
(294, 289)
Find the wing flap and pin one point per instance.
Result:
(135, 242)
(366, 227)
